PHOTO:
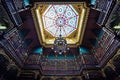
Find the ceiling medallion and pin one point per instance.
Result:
(60, 21)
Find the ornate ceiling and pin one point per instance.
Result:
(60, 16)
(68, 18)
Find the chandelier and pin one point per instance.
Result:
(60, 44)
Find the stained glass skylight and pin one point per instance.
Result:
(62, 17)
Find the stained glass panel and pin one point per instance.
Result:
(62, 17)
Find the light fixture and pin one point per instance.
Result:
(3, 23)
(3, 27)
(60, 44)
(117, 27)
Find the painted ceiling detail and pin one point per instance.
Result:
(70, 18)
(62, 17)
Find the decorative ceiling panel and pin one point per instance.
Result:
(62, 17)
(68, 18)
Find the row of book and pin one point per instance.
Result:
(33, 59)
(14, 7)
(99, 53)
(113, 19)
(64, 64)
(60, 65)
(104, 6)
(89, 60)
(106, 47)
(61, 72)
(106, 39)
(15, 46)
(13, 11)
